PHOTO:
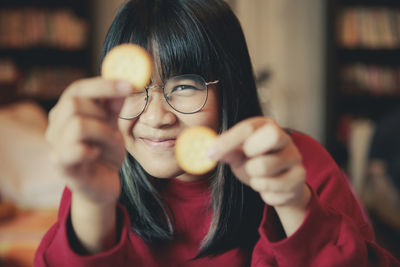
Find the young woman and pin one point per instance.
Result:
(275, 199)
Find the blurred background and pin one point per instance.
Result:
(330, 69)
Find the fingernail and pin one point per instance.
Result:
(123, 87)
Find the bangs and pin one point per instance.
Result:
(178, 44)
(171, 32)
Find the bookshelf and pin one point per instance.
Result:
(44, 46)
(363, 67)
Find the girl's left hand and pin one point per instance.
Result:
(263, 156)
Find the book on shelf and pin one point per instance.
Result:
(370, 79)
(8, 71)
(27, 27)
(48, 82)
(42, 82)
(360, 135)
(369, 28)
(354, 134)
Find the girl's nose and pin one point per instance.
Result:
(157, 113)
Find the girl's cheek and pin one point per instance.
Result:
(126, 126)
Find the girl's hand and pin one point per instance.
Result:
(88, 150)
(87, 147)
(263, 156)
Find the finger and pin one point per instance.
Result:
(114, 105)
(234, 138)
(73, 106)
(95, 97)
(72, 155)
(266, 184)
(107, 94)
(92, 131)
(235, 158)
(276, 194)
(277, 199)
(70, 106)
(273, 164)
(99, 88)
(67, 111)
(288, 181)
(268, 138)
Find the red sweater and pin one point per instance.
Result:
(335, 231)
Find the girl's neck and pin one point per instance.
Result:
(183, 189)
(186, 177)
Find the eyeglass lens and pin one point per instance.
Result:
(184, 93)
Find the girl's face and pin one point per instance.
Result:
(150, 138)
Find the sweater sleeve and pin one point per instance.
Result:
(55, 248)
(335, 231)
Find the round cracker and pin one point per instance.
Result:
(128, 62)
(191, 150)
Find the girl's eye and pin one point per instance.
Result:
(183, 87)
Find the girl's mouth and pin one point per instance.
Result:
(160, 143)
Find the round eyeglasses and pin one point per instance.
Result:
(186, 94)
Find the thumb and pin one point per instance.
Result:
(236, 159)
(113, 107)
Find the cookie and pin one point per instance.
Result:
(128, 62)
(191, 150)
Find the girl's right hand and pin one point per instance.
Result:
(87, 146)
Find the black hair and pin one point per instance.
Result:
(202, 37)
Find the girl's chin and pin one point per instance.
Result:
(168, 171)
(162, 173)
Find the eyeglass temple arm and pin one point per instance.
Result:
(213, 82)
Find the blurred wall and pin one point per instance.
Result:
(104, 12)
(286, 37)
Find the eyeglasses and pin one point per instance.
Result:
(186, 94)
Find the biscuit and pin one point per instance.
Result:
(191, 150)
(128, 62)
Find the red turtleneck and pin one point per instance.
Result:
(334, 232)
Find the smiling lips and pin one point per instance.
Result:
(160, 143)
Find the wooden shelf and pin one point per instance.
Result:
(368, 3)
(339, 103)
(80, 7)
(356, 32)
(367, 106)
(47, 60)
(46, 56)
(377, 56)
